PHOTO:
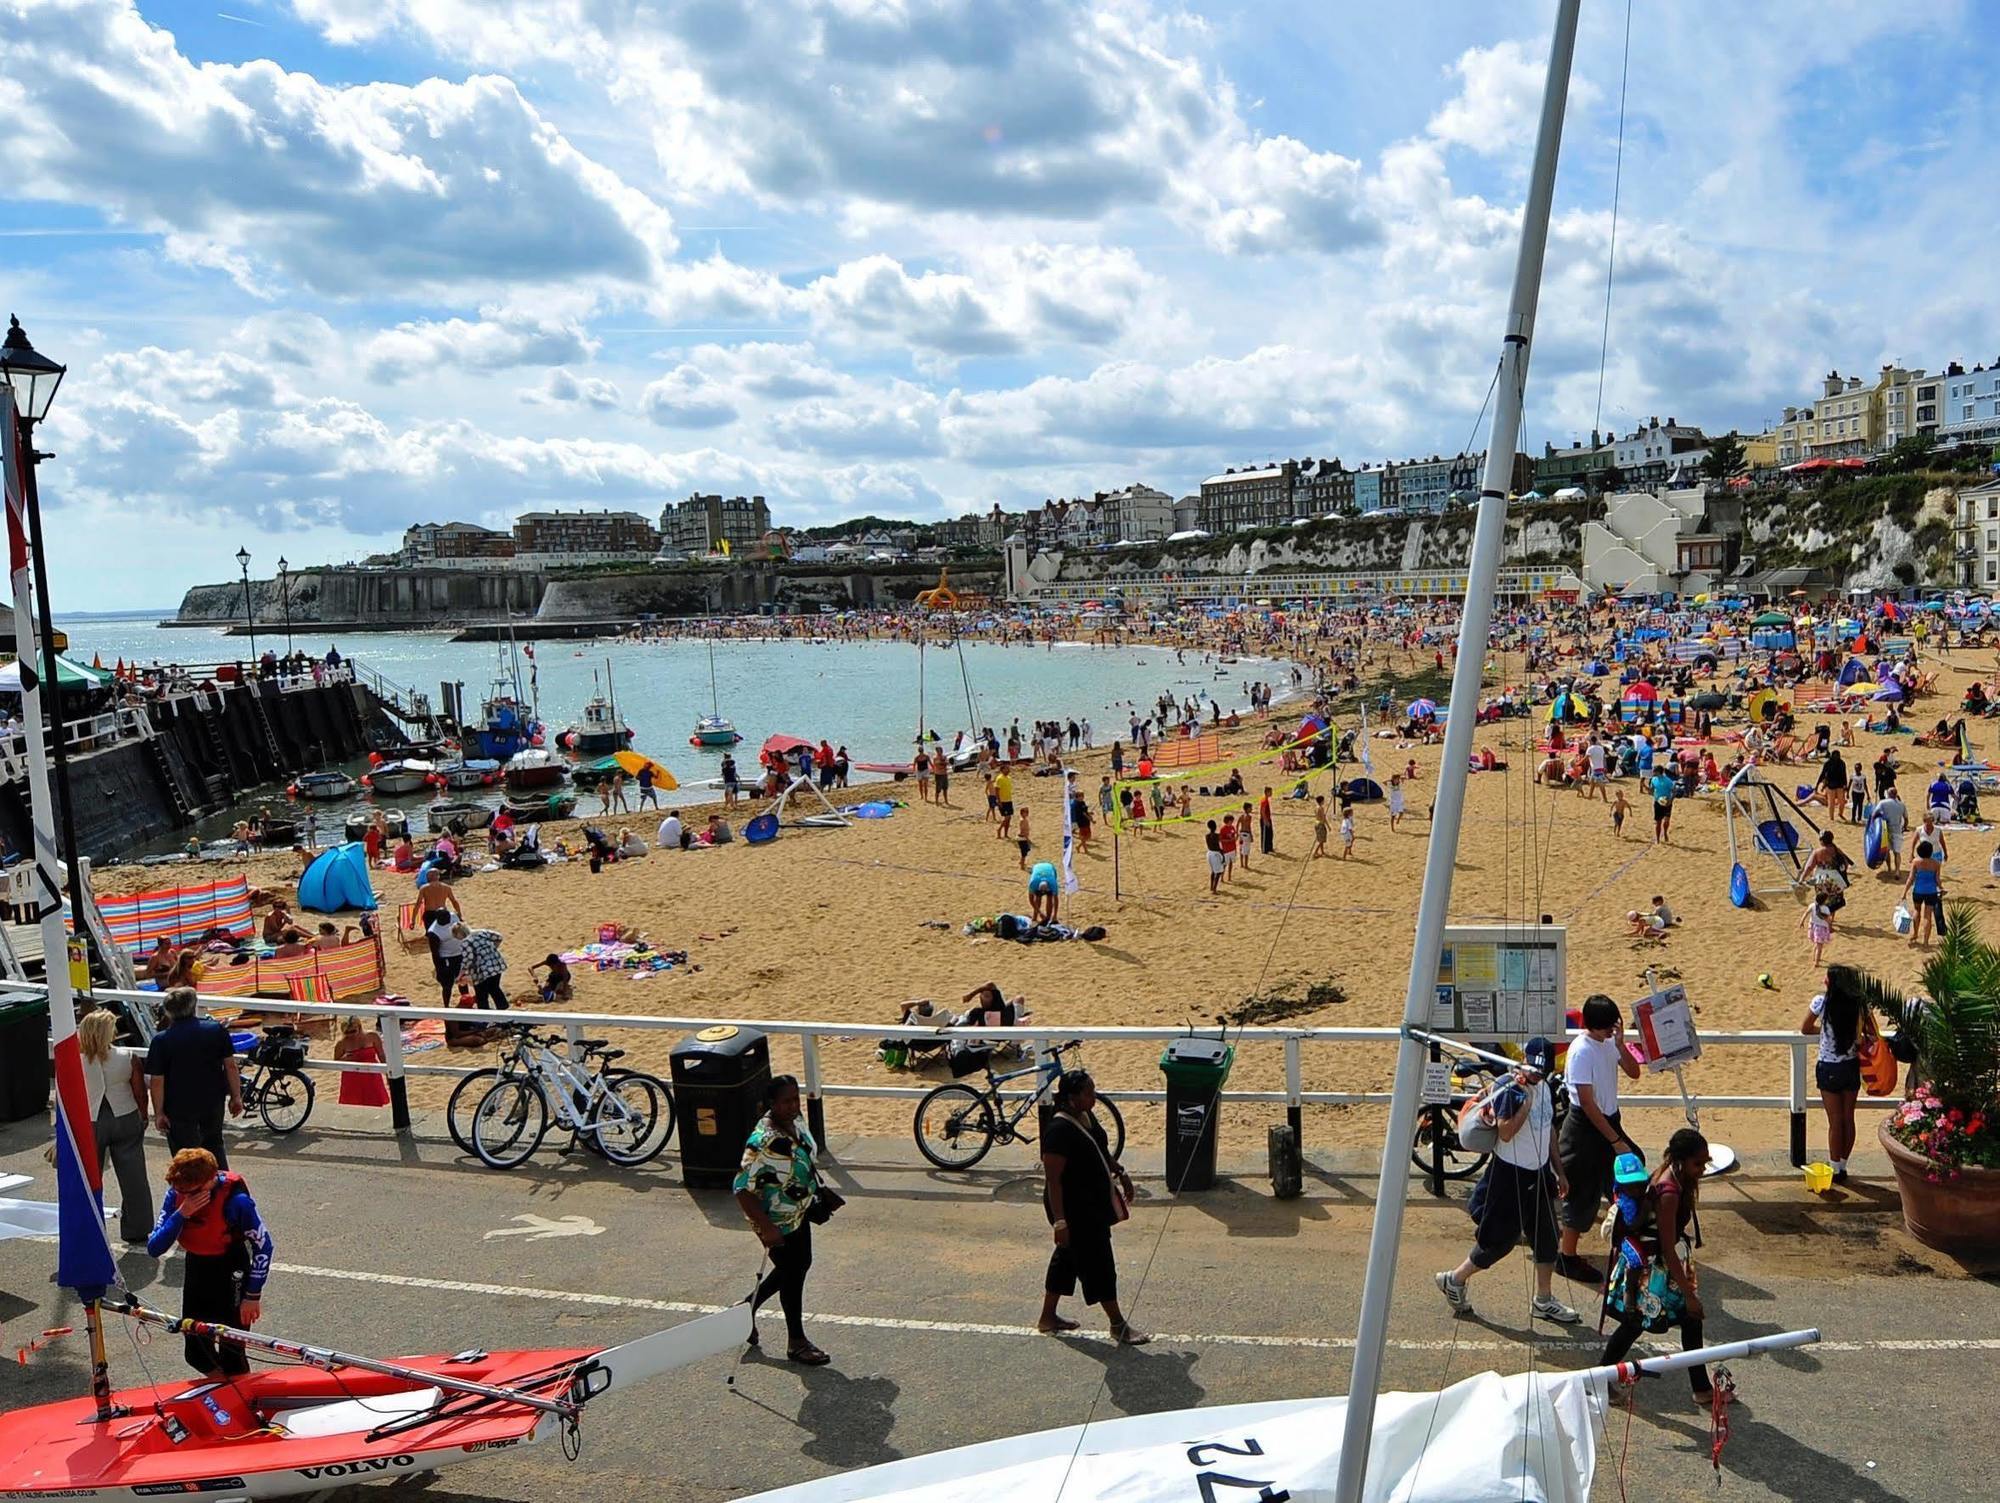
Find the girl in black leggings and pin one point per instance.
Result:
(776, 1187)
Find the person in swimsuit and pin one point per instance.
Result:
(1044, 893)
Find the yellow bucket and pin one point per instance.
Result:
(1819, 1177)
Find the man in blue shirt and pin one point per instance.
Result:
(191, 1069)
(209, 1214)
(1663, 789)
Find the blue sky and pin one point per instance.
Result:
(322, 268)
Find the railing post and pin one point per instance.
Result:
(815, 1104)
(574, 1031)
(392, 1056)
(1798, 1104)
(1437, 1134)
(1294, 1107)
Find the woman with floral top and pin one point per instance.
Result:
(776, 1187)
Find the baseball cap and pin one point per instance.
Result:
(1629, 1169)
(1540, 1054)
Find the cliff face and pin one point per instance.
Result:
(788, 589)
(1881, 532)
(395, 597)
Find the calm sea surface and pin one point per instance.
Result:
(862, 694)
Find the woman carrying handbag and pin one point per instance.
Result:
(1084, 1194)
(779, 1189)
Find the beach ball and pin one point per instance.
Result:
(1764, 980)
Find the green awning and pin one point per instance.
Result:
(69, 675)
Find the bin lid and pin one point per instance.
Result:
(1196, 1051)
(721, 1041)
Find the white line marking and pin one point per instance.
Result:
(982, 1328)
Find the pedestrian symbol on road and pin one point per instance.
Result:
(541, 1228)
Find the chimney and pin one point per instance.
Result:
(1853, 383)
(1673, 422)
(1596, 439)
(1832, 386)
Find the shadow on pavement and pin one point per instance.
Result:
(1142, 1379)
(1730, 1301)
(847, 1419)
(1244, 1212)
(1789, 1468)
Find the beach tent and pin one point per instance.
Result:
(1361, 791)
(1853, 671)
(69, 675)
(337, 880)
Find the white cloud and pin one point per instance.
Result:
(265, 174)
(561, 387)
(483, 345)
(687, 398)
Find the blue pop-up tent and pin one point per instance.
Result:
(338, 880)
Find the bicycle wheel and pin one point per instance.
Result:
(1113, 1122)
(624, 1119)
(285, 1101)
(954, 1126)
(667, 1122)
(509, 1122)
(465, 1096)
(1459, 1161)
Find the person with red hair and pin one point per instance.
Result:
(210, 1216)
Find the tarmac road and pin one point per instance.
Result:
(926, 1286)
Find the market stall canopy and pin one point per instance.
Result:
(68, 675)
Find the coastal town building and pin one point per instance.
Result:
(1970, 403)
(554, 538)
(701, 524)
(1977, 553)
(456, 545)
(1580, 466)
(1239, 500)
(1136, 514)
(1324, 488)
(1659, 453)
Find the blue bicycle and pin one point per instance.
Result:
(958, 1124)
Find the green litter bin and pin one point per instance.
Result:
(24, 1059)
(1196, 1069)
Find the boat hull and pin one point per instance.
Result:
(596, 743)
(57, 1451)
(537, 810)
(398, 783)
(337, 787)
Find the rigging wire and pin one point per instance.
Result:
(1617, 182)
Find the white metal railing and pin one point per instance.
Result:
(1292, 1042)
(89, 734)
(1357, 585)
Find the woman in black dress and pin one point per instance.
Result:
(1085, 1194)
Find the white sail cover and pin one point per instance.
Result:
(1528, 1438)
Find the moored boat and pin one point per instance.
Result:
(440, 815)
(598, 732)
(395, 821)
(324, 785)
(533, 811)
(469, 773)
(397, 779)
(532, 769)
(715, 730)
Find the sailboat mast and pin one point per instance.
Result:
(920, 681)
(1482, 577)
(714, 699)
(965, 674)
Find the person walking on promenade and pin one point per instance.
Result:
(1653, 1254)
(778, 1187)
(1516, 1197)
(1592, 1134)
(226, 1248)
(115, 1081)
(191, 1072)
(1085, 1193)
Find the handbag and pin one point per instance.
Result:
(1121, 1209)
(824, 1203)
(1878, 1062)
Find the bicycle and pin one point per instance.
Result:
(274, 1082)
(472, 1088)
(1439, 1124)
(957, 1125)
(611, 1112)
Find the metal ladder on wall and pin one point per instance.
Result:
(278, 761)
(163, 768)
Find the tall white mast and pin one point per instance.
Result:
(1482, 576)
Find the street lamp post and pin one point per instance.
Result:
(249, 611)
(285, 599)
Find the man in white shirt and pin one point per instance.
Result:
(1517, 1196)
(1596, 755)
(1592, 1136)
(670, 833)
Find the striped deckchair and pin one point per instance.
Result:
(137, 920)
(410, 924)
(1187, 751)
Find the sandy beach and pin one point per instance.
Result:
(842, 924)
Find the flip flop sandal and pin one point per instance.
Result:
(808, 1356)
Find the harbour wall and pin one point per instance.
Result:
(751, 589)
(201, 754)
(367, 599)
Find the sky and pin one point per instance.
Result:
(324, 268)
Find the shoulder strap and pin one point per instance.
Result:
(1088, 1137)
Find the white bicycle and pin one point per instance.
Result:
(626, 1115)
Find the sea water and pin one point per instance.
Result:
(863, 695)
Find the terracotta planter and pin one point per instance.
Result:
(1957, 1215)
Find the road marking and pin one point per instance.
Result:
(540, 1228)
(982, 1328)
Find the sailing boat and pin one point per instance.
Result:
(714, 728)
(1530, 1437)
(333, 1417)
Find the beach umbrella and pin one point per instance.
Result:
(1771, 618)
(1642, 692)
(1422, 707)
(1891, 693)
(1709, 701)
(632, 762)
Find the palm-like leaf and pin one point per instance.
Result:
(1957, 1031)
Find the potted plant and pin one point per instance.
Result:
(1944, 1139)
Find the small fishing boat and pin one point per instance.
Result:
(324, 786)
(533, 811)
(534, 768)
(441, 815)
(395, 821)
(398, 779)
(277, 832)
(599, 731)
(469, 773)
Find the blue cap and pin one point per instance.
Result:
(1540, 1054)
(1629, 1169)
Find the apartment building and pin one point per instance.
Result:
(701, 524)
(456, 545)
(583, 537)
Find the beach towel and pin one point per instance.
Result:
(138, 920)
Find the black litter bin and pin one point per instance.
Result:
(24, 1059)
(1195, 1069)
(719, 1079)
